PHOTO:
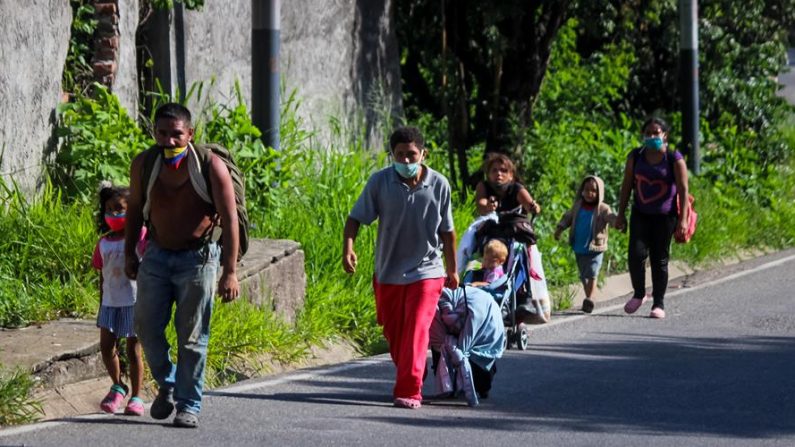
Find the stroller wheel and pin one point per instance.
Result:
(521, 338)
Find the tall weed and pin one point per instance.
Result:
(45, 270)
(16, 404)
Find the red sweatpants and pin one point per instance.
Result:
(406, 312)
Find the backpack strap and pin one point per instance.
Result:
(149, 173)
(636, 153)
(201, 171)
(200, 178)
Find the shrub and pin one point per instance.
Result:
(99, 140)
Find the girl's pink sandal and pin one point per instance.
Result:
(634, 304)
(113, 399)
(135, 407)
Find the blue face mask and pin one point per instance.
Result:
(655, 143)
(407, 170)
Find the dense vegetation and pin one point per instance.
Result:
(633, 46)
(610, 64)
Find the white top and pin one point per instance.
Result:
(117, 289)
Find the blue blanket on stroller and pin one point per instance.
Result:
(467, 328)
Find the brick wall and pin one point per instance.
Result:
(105, 61)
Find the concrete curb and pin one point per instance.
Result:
(83, 397)
(620, 285)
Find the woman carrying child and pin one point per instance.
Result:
(117, 299)
(588, 220)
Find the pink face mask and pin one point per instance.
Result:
(116, 223)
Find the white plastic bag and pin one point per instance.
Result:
(467, 244)
(538, 288)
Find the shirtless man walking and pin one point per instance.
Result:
(181, 262)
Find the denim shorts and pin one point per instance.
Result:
(589, 265)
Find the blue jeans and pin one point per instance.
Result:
(187, 278)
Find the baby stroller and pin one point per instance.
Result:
(522, 290)
(466, 338)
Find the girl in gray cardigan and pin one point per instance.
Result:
(587, 221)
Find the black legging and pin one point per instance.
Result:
(650, 236)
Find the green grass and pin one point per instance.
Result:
(16, 405)
(45, 268)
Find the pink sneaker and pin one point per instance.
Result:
(135, 407)
(405, 402)
(657, 313)
(113, 399)
(634, 304)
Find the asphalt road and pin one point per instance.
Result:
(717, 372)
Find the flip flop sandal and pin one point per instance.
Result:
(405, 402)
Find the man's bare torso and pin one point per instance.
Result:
(178, 215)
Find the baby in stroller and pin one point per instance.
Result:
(520, 291)
(466, 338)
(495, 253)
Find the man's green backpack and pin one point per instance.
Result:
(199, 168)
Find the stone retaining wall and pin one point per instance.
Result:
(272, 275)
(33, 48)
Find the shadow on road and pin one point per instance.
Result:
(117, 420)
(738, 387)
(732, 386)
(355, 399)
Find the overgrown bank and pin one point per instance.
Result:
(304, 193)
(744, 198)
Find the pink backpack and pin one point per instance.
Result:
(691, 225)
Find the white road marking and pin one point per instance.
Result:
(733, 276)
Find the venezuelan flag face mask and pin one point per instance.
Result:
(172, 157)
